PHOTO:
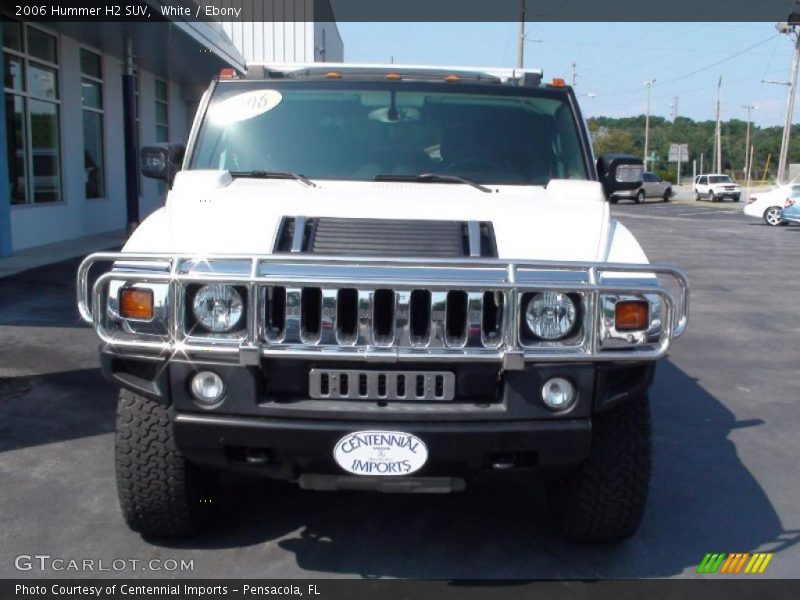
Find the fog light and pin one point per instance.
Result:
(207, 387)
(558, 393)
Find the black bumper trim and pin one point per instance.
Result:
(296, 446)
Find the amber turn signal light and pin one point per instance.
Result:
(632, 315)
(136, 304)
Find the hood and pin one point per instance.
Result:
(208, 212)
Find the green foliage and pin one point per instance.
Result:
(627, 135)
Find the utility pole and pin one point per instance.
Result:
(649, 84)
(749, 108)
(674, 108)
(574, 74)
(718, 134)
(521, 40)
(788, 29)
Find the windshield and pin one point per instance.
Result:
(332, 130)
(720, 179)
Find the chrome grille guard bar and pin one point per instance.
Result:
(511, 278)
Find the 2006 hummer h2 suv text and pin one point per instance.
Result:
(384, 278)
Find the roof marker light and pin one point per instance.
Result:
(393, 77)
(452, 78)
(333, 75)
(227, 73)
(558, 82)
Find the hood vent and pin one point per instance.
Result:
(386, 237)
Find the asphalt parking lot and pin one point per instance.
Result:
(725, 412)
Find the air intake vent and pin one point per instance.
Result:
(386, 237)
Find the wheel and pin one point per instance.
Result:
(613, 199)
(772, 216)
(696, 196)
(711, 197)
(667, 194)
(604, 500)
(640, 197)
(736, 198)
(160, 492)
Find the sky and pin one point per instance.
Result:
(613, 61)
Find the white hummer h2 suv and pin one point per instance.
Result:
(385, 278)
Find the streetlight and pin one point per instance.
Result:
(649, 84)
(749, 108)
(788, 28)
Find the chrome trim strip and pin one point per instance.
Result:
(474, 232)
(298, 235)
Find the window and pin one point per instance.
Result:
(92, 99)
(342, 130)
(162, 112)
(30, 82)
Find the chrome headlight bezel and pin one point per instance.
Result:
(571, 302)
(205, 323)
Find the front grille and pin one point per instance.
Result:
(383, 317)
(349, 384)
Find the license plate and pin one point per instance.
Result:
(380, 453)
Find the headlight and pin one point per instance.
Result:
(551, 315)
(218, 307)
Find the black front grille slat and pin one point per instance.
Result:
(347, 313)
(492, 315)
(420, 316)
(276, 311)
(311, 310)
(456, 320)
(383, 316)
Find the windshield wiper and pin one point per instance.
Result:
(434, 178)
(274, 175)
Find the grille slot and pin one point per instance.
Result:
(339, 384)
(456, 318)
(420, 317)
(310, 314)
(347, 315)
(383, 317)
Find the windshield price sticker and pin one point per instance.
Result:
(381, 453)
(245, 106)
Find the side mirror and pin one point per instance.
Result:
(161, 161)
(619, 172)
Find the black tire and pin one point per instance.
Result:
(604, 500)
(711, 197)
(613, 199)
(667, 194)
(161, 494)
(697, 197)
(640, 197)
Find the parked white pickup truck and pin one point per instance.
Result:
(387, 278)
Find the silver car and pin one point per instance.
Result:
(653, 187)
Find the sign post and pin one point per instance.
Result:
(678, 153)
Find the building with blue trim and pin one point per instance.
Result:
(63, 115)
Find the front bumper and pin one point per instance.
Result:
(268, 426)
(295, 449)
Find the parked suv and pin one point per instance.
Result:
(390, 279)
(653, 187)
(716, 188)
